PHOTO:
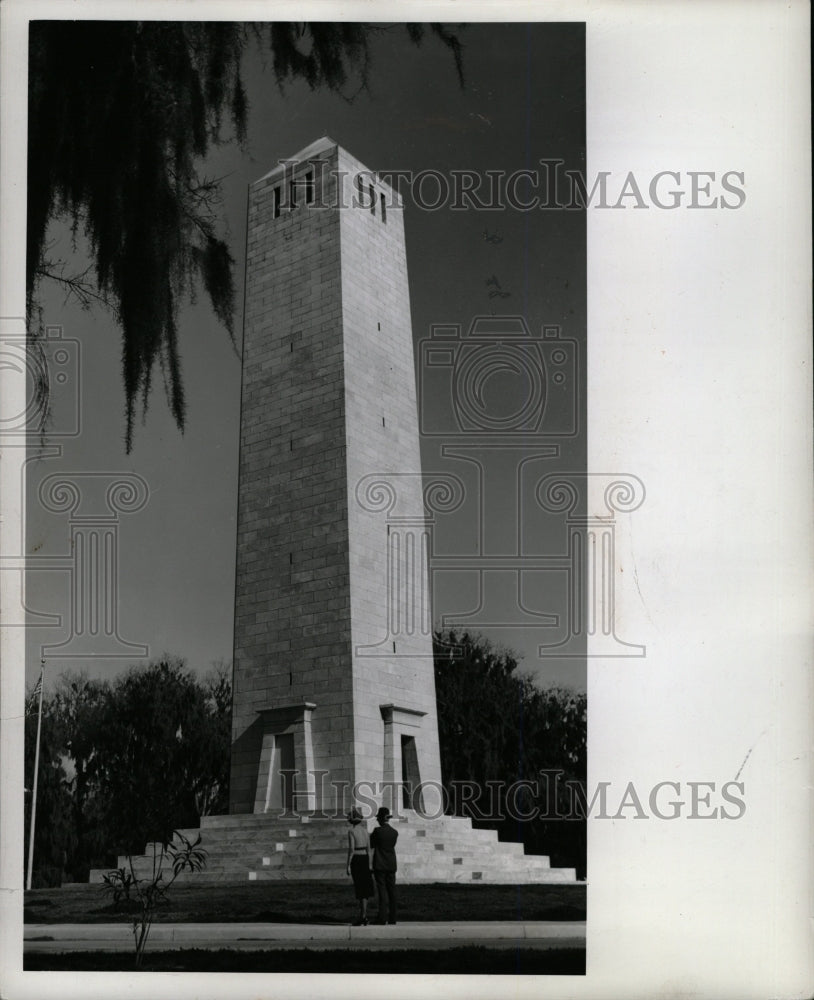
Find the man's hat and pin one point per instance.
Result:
(383, 813)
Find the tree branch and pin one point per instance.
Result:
(76, 285)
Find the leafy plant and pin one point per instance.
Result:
(118, 883)
(151, 892)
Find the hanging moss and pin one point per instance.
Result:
(120, 116)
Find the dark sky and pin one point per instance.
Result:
(522, 100)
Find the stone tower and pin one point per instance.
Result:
(328, 692)
(333, 693)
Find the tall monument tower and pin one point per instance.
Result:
(333, 697)
(326, 694)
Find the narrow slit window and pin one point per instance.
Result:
(309, 188)
(372, 194)
(276, 203)
(383, 207)
(411, 778)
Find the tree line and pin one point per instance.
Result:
(519, 744)
(125, 762)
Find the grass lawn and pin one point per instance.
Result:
(310, 903)
(451, 961)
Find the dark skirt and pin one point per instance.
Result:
(362, 879)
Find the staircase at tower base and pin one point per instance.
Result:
(266, 847)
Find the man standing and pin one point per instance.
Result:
(383, 841)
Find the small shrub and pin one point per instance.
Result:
(118, 883)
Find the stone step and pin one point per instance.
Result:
(271, 835)
(407, 877)
(243, 821)
(419, 875)
(246, 837)
(266, 843)
(485, 876)
(335, 829)
(337, 860)
(501, 853)
(435, 840)
(403, 818)
(449, 834)
(269, 820)
(511, 852)
(301, 847)
(408, 873)
(312, 855)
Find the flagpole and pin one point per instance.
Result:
(34, 786)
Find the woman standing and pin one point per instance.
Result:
(359, 863)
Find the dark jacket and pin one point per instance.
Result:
(383, 841)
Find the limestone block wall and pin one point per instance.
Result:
(390, 603)
(331, 603)
(292, 600)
